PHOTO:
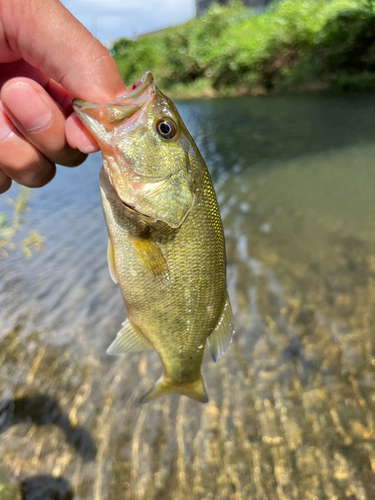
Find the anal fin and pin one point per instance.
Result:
(222, 336)
(127, 340)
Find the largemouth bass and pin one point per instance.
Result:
(165, 237)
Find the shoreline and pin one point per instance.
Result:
(316, 87)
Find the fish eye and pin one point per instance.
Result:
(166, 128)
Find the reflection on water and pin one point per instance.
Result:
(291, 411)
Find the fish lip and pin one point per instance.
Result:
(138, 88)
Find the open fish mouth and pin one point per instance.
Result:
(101, 118)
(134, 91)
(140, 85)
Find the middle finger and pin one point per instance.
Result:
(40, 120)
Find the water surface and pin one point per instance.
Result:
(291, 411)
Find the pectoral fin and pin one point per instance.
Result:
(127, 340)
(151, 256)
(195, 390)
(111, 260)
(222, 336)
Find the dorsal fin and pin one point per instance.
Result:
(222, 336)
(127, 340)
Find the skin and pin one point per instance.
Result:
(46, 57)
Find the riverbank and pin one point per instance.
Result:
(294, 46)
(203, 89)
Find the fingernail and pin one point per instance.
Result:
(5, 129)
(89, 148)
(27, 107)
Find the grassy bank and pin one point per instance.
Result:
(295, 45)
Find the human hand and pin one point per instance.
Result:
(46, 57)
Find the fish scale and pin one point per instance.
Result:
(166, 243)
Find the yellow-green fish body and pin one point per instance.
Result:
(166, 245)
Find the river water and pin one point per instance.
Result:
(292, 404)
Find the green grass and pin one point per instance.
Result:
(293, 45)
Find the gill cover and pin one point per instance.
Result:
(150, 172)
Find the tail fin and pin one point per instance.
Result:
(195, 390)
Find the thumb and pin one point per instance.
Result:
(46, 35)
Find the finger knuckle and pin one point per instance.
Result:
(73, 158)
(5, 183)
(31, 171)
(38, 175)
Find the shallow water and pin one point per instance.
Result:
(292, 405)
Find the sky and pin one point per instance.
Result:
(110, 20)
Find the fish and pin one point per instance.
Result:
(166, 247)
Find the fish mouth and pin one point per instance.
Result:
(140, 85)
(102, 118)
(136, 89)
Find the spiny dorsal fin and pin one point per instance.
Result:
(151, 256)
(222, 336)
(127, 340)
(111, 260)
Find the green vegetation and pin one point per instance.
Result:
(9, 227)
(9, 491)
(294, 45)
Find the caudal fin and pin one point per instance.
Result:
(195, 390)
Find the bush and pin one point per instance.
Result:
(232, 47)
(347, 41)
(133, 58)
